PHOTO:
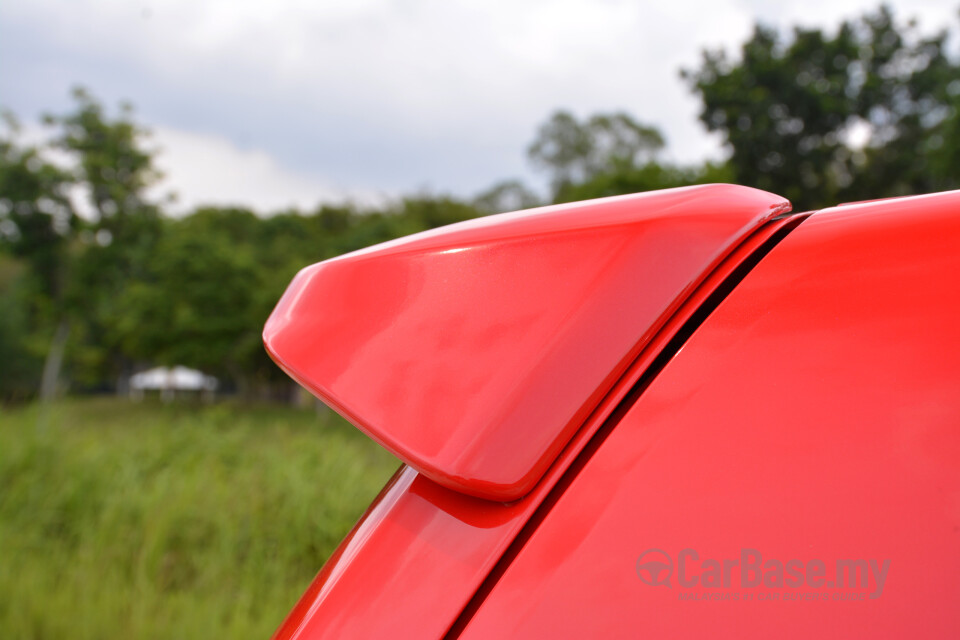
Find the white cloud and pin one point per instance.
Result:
(204, 169)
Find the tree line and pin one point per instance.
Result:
(867, 110)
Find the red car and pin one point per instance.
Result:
(687, 413)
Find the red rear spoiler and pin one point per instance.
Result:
(475, 351)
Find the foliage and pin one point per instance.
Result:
(36, 215)
(20, 362)
(116, 241)
(507, 195)
(607, 155)
(193, 304)
(790, 108)
(172, 521)
(573, 151)
(646, 177)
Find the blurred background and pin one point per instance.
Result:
(166, 168)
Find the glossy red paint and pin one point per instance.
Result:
(815, 415)
(421, 552)
(474, 352)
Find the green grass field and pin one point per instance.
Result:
(142, 520)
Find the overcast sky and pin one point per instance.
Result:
(276, 102)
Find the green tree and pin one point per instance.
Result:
(646, 177)
(572, 151)
(508, 195)
(193, 304)
(116, 240)
(789, 108)
(37, 222)
(605, 155)
(268, 253)
(36, 215)
(20, 359)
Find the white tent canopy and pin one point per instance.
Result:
(172, 379)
